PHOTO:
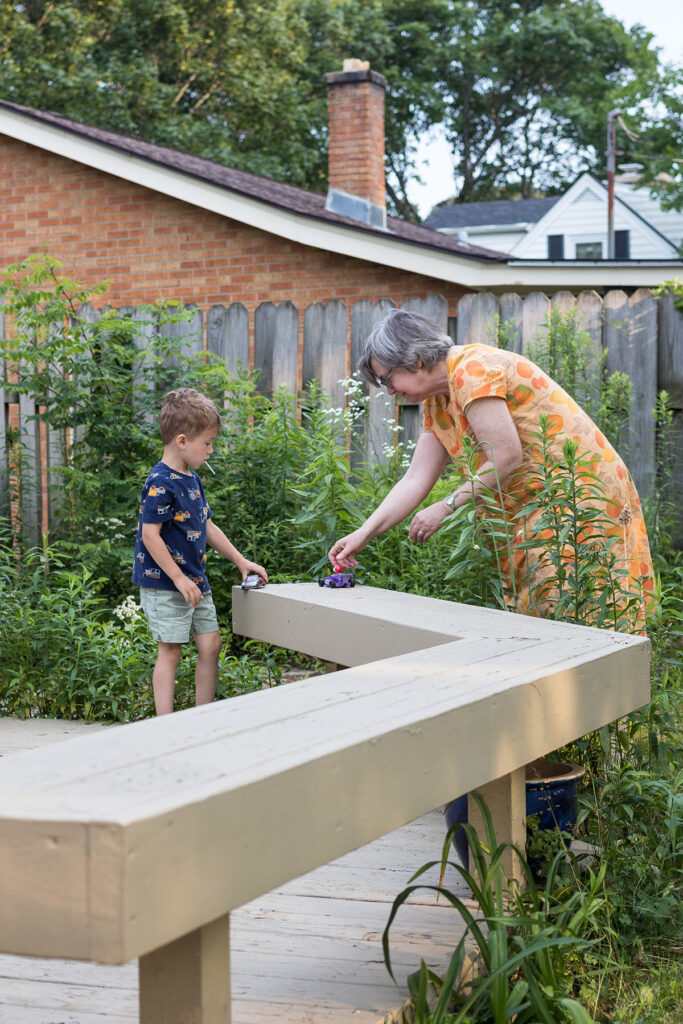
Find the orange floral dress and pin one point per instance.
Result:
(480, 371)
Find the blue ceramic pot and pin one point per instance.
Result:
(550, 794)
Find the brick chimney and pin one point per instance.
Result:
(355, 102)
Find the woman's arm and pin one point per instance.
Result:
(495, 431)
(428, 462)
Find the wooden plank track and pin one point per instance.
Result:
(309, 951)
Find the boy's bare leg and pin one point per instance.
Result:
(163, 677)
(206, 671)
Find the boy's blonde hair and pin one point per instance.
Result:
(186, 411)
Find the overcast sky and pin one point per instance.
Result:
(664, 18)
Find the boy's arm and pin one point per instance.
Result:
(217, 539)
(151, 538)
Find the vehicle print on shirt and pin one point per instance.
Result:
(156, 490)
(174, 476)
(141, 556)
(198, 580)
(153, 574)
(176, 556)
(181, 516)
(193, 534)
(163, 509)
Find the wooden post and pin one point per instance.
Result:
(188, 981)
(506, 800)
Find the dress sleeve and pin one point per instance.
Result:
(479, 376)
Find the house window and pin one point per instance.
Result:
(555, 247)
(622, 245)
(588, 251)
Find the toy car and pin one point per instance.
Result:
(253, 582)
(338, 578)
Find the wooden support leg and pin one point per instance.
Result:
(506, 800)
(188, 981)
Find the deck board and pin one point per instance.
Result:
(309, 951)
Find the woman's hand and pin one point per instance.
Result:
(426, 522)
(343, 552)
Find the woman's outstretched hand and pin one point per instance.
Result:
(343, 551)
(426, 522)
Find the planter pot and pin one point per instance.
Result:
(550, 795)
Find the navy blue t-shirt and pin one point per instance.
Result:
(176, 500)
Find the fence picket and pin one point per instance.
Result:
(378, 428)
(324, 354)
(4, 417)
(670, 354)
(434, 307)
(510, 311)
(276, 345)
(31, 490)
(479, 311)
(227, 335)
(535, 313)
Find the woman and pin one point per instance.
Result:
(496, 398)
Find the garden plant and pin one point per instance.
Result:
(600, 943)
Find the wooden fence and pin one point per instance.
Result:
(642, 337)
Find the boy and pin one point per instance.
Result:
(174, 528)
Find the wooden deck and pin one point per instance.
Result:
(309, 951)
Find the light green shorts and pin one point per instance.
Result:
(172, 620)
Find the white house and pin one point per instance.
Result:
(569, 227)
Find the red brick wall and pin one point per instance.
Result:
(153, 247)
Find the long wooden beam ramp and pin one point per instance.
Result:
(139, 842)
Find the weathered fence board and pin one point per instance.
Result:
(381, 416)
(535, 313)
(511, 312)
(188, 331)
(476, 319)
(227, 335)
(324, 354)
(4, 418)
(276, 346)
(670, 350)
(31, 490)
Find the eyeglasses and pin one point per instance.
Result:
(385, 382)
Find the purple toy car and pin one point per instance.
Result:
(338, 578)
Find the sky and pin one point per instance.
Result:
(664, 18)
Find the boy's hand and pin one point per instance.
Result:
(245, 567)
(189, 590)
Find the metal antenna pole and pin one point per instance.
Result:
(611, 167)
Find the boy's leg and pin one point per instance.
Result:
(206, 671)
(163, 677)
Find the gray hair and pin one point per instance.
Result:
(399, 340)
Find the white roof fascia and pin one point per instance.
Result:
(378, 247)
(375, 247)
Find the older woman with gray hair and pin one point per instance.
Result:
(494, 397)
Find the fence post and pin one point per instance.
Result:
(535, 313)
(30, 470)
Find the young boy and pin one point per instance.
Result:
(174, 528)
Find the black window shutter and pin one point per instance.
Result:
(556, 247)
(622, 245)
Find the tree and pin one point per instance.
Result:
(527, 86)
